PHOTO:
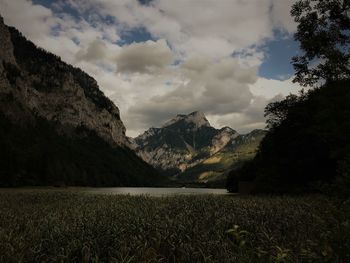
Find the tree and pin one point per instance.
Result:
(308, 144)
(278, 111)
(324, 36)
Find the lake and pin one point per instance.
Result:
(157, 191)
(151, 191)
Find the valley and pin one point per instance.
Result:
(172, 131)
(61, 107)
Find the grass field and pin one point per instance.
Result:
(64, 226)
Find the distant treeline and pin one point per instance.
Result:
(39, 154)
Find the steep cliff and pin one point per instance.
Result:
(60, 106)
(41, 83)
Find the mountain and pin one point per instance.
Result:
(57, 127)
(215, 168)
(188, 148)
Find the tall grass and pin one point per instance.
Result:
(66, 227)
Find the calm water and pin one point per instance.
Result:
(157, 191)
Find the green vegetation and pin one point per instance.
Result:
(215, 168)
(38, 154)
(323, 33)
(59, 226)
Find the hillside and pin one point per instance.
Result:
(57, 127)
(217, 166)
(188, 148)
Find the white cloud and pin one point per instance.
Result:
(280, 15)
(200, 36)
(34, 21)
(210, 28)
(230, 24)
(94, 52)
(269, 88)
(146, 57)
(216, 88)
(228, 94)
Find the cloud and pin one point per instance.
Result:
(203, 56)
(280, 16)
(211, 28)
(269, 88)
(95, 51)
(228, 94)
(215, 88)
(225, 26)
(250, 118)
(146, 57)
(34, 21)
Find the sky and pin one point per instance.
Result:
(158, 58)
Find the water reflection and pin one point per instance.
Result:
(153, 191)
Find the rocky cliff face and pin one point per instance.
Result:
(34, 81)
(175, 145)
(215, 168)
(190, 149)
(56, 126)
(185, 142)
(223, 138)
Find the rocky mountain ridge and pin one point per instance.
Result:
(187, 141)
(195, 120)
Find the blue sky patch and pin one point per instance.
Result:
(145, 2)
(64, 8)
(137, 35)
(278, 55)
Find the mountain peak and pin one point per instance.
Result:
(196, 113)
(196, 118)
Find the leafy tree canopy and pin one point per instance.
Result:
(324, 36)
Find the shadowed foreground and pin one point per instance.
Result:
(64, 226)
